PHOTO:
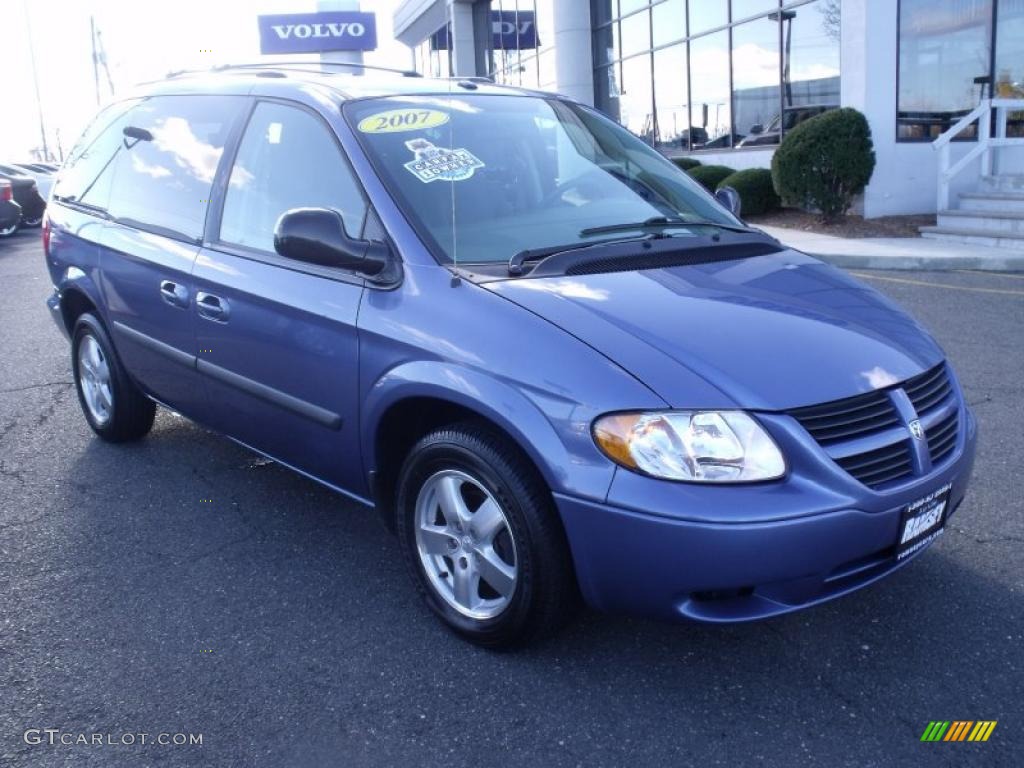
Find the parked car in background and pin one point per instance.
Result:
(761, 135)
(43, 178)
(26, 194)
(10, 211)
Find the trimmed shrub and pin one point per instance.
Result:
(824, 162)
(757, 194)
(710, 176)
(686, 163)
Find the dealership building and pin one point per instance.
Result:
(723, 80)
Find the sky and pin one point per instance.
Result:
(144, 39)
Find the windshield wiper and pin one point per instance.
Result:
(530, 255)
(663, 222)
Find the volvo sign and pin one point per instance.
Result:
(316, 32)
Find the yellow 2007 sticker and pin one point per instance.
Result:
(398, 120)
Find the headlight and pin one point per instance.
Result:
(700, 446)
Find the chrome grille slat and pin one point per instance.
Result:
(881, 465)
(942, 437)
(841, 423)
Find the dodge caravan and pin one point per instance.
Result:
(553, 364)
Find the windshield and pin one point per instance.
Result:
(484, 177)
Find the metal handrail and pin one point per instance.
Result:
(983, 149)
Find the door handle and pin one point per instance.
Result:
(174, 294)
(212, 307)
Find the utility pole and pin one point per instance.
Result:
(95, 60)
(35, 81)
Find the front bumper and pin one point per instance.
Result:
(664, 566)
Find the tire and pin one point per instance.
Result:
(473, 463)
(113, 406)
(9, 230)
(33, 222)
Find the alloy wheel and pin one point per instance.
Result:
(94, 379)
(465, 544)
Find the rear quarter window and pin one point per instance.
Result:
(164, 182)
(88, 160)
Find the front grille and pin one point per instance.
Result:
(929, 389)
(880, 466)
(942, 437)
(836, 424)
(848, 419)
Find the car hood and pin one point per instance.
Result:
(769, 333)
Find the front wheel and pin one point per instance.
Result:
(34, 221)
(9, 230)
(482, 538)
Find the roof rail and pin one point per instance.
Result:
(299, 66)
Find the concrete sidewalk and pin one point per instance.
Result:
(899, 252)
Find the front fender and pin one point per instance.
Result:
(554, 431)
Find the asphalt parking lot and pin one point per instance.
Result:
(183, 585)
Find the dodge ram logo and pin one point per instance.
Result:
(916, 430)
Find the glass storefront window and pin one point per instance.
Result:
(1009, 80)
(810, 63)
(709, 101)
(606, 90)
(705, 15)
(636, 33)
(671, 100)
(530, 75)
(636, 110)
(628, 6)
(744, 84)
(668, 22)
(606, 44)
(953, 37)
(744, 9)
(755, 72)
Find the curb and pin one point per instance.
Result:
(1007, 263)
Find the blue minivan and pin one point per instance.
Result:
(555, 366)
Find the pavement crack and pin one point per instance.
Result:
(36, 386)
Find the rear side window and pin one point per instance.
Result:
(86, 173)
(287, 159)
(164, 180)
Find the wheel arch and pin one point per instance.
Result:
(77, 296)
(416, 398)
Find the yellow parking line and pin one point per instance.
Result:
(990, 273)
(937, 285)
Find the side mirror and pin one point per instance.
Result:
(729, 199)
(318, 236)
(757, 128)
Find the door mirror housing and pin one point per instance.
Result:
(729, 199)
(318, 236)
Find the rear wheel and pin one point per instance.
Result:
(481, 537)
(34, 221)
(114, 407)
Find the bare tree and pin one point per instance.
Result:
(830, 18)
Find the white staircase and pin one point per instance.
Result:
(992, 214)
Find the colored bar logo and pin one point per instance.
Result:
(959, 730)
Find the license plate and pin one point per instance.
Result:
(922, 521)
